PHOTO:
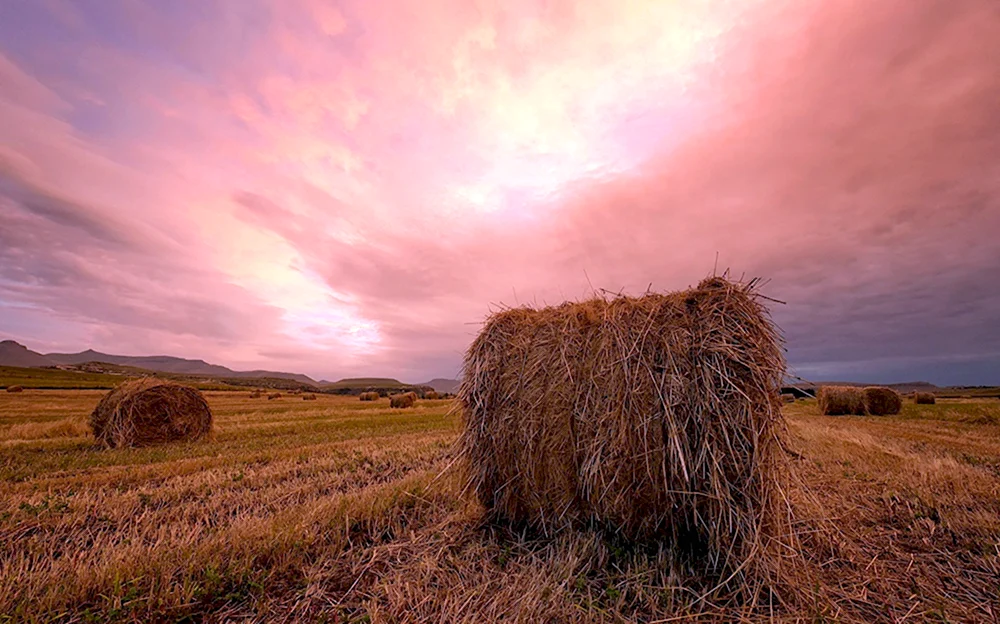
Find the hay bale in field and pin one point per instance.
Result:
(788, 398)
(273, 395)
(841, 401)
(15, 388)
(309, 397)
(149, 410)
(369, 396)
(407, 399)
(256, 394)
(431, 395)
(924, 398)
(881, 401)
(656, 416)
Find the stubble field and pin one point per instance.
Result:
(342, 511)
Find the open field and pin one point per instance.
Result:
(337, 510)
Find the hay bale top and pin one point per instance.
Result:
(15, 388)
(655, 416)
(150, 410)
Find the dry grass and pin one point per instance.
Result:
(148, 411)
(334, 510)
(841, 401)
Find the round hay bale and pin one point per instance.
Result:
(657, 417)
(309, 397)
(149, 410)
(256, 394)
(924, 398)
(788, 398)
(369, 396)
(273, 395)
(15, 388)
(841, 401)
(431, 395)
(881, 401)
(407, 399)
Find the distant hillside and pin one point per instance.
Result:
(168, 364)
(443, 385)
(16, 354)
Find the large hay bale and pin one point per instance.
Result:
(273, 395)
(924, 398)
(149, 410)
(407, 399)
(431, 395)
(15, 388)
(841, 401)
(369, 396)
(657, 417)
(881, 401)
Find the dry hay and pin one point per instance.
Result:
(309, 397)
(407, 399)
(841, 401)
(924, 398)
(15, 388)
(256, 394)
(273, 395)
(881, 401)
(369, 396)
(149, 410)
(657, 417)
(431, 395)
(788, 398)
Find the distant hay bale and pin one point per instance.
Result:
(149, 410)
(924, 398)
(431, 395)
(657, 417)
(369, 396)
(15, 388)
(841, 401)
(881, 401)
(256, 394)
(273, 395)
(407, 399)
(788, 398)
(309, 397)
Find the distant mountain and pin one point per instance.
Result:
(363, 382)
(16, 354)
(443, 385)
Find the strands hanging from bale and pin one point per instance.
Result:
(788, 398)
(431, 395)
(657, 417)
(880, 401)
(369, 396)
(407, 399)
(15, 388)
(149, 410)
(273, 395)
(841, 401)
(924, 398)
(309, 397)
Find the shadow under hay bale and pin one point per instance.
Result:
(924, 398)
(15, 388)
(841, 401)
(148, 411)
(407, 399)
(880, 401)
(657, 417)
(273, 395)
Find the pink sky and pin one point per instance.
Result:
(345, 188)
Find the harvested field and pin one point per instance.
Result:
(334, 510)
